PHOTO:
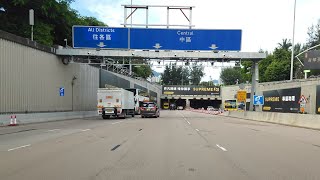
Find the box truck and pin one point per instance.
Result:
(115, 102)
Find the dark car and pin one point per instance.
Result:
(149, 109)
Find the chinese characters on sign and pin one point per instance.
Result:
(191, 90)
(282, 100)
(185, 36)
(177, 88)
(101, 37)
(312, 60)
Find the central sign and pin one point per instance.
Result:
(190, 90)
(156, 39)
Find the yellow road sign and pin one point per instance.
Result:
(242, 96)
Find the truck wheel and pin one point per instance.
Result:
(105, 117)
(133, 114)
(124, 115)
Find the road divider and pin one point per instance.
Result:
(206, 111)
(291, 119)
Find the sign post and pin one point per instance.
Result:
(242, 97)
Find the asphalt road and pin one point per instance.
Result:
(178, 145)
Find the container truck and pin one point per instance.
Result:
(115, 102)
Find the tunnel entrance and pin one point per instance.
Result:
(166, 103)
(204, 103)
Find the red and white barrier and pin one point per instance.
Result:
(13, 120)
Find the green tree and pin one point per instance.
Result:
(143, 71)
(246, 74)
(175, 75)
(196, 74)
(285, 45)
(263, 65)
(166, 76)
(53, 20)
(231, 76)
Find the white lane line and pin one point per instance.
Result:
(188, 122)
(197, 130)
(19, 147)
(54, 130)
(117, 122)
(84, 130)
(222, 148)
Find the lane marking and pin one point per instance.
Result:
(197, 130)
(222, 148)
(188, 122)
(84, 130)
(117, 122)
(19, 147)
(114, 148)
(54, 130)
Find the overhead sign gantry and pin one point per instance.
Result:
(156, 39)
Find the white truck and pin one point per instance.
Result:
(115, 102)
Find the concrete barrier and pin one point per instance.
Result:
(299, 120)
(45, 117)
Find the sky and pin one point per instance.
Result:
(264, 23)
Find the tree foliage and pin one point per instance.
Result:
(53, 20)
(143, 71)
(196, 74)
(182, 75)
(175, 75)
(231, 76)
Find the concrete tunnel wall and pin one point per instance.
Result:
(31, 76)
(308, 89)
(30, 79)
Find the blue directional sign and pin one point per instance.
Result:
(156, 39)
(258, 100)
(185, 39)
(100, 37)
(61, 91)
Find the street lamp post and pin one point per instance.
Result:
(293, 32)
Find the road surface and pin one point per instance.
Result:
(178, 145)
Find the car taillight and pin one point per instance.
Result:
(154, 108)
(142, 108)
